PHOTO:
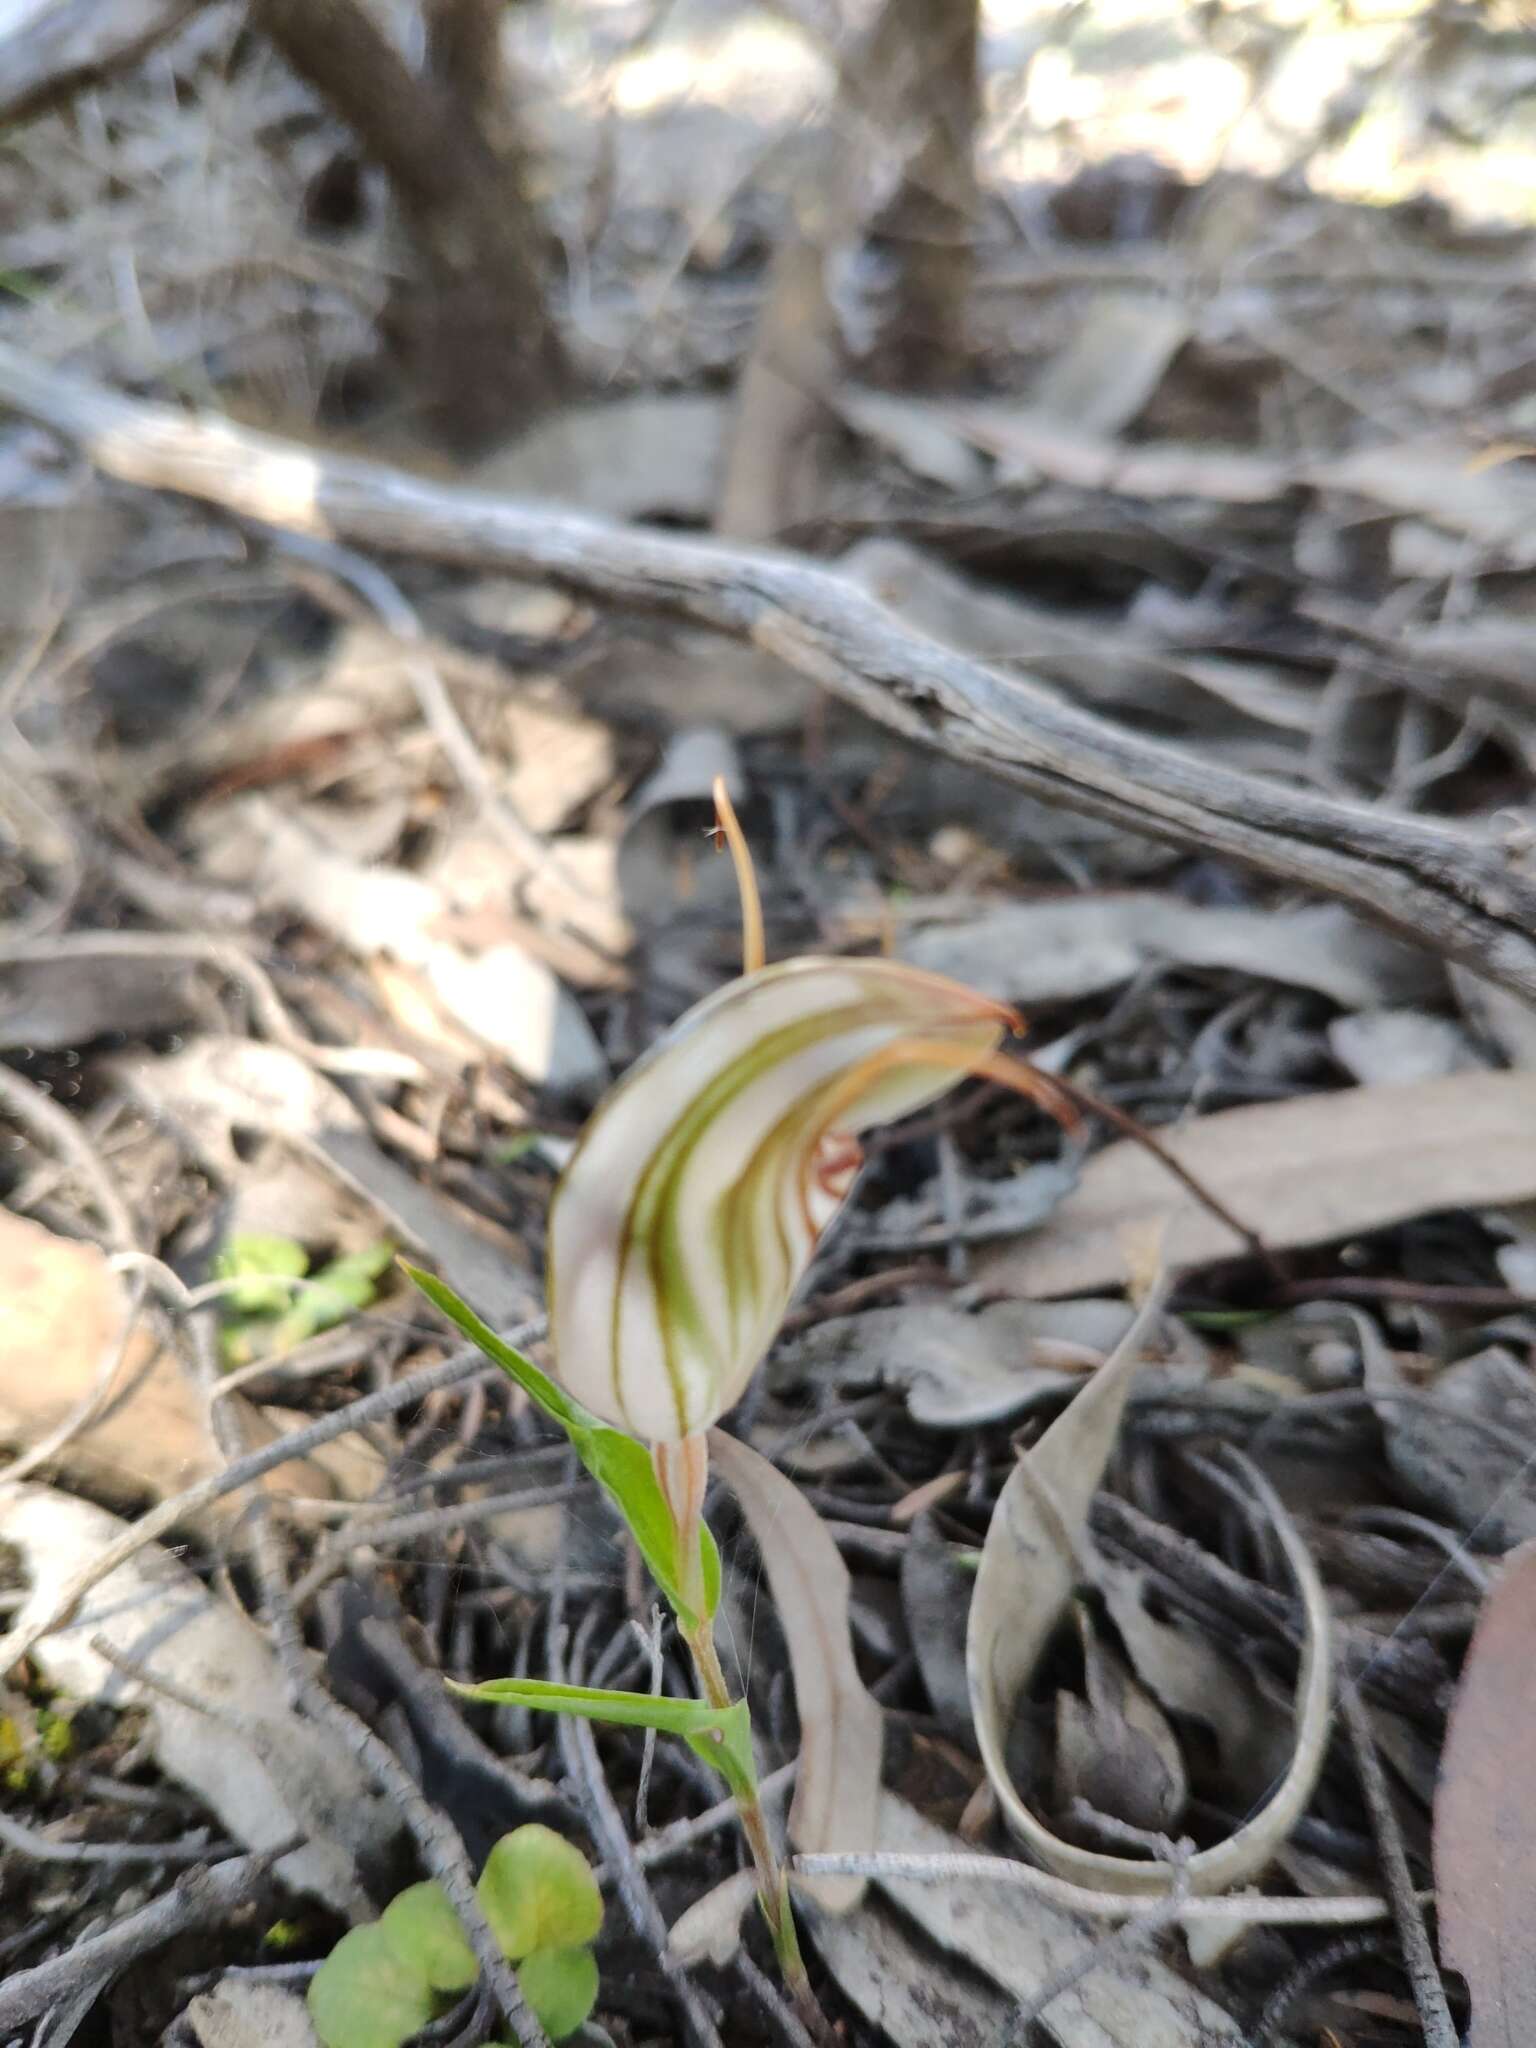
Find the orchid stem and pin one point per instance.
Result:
(772, 1880)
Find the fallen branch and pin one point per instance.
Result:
(204, 1897)
(1440, 887)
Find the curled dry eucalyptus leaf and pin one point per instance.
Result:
(1036, 1553)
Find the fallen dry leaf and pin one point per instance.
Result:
(64, 1310)
(1460, 1446)
(1114, 1746)
(1438, 477)
(709, 1931)
(69, 1000)
(1036, 1553)
(237, 2014)
(270, 1777)
(647, 453)
(1189, 1674)
(1392, 1047)
(1060, 950)
(1132, 1998)
(915, 432)
(842, 1730)
(1120, 350)
(960, 1371)
(889, 1974)
(1504, 1018)
(1028, 447)
(217, 1087)
(1302, 1172)
(499, 991)
(1485, 1816)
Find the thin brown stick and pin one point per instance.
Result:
(1128, 1127)
(58, 1132)
(34, 1845)
(1418, 1954)
(1441, 887)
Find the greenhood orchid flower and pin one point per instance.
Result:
(695, 1199)
(682, 1225)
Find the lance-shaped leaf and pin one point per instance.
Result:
(695, 1199)
(721, 1735)
(619, 1465)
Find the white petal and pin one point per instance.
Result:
(672, 1258)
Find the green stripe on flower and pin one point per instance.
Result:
(695, 1199)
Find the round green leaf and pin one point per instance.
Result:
(561, 1986)
(424, 1931)
(366, 1995)
(538, 1892)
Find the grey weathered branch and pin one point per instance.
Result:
(1445, 888)
(203, 1897)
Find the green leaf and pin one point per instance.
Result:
(538, 1891)
(721, 1735)
(337, 1291)
(624, 1470)
(365, 1995)
(561, 1986)
(261, 1268)
(709, 1559)
(424, 1932)
(509, 1153)
(621, 1466)
(245, 1340)
(555, 1402)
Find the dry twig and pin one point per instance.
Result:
(1442, 888)
(463, 1365)
(1418, 1955)
(202, 1898)
(1244, 1909)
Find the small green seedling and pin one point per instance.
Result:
(55, 1733)
(278, 1302)
(387, 1980)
